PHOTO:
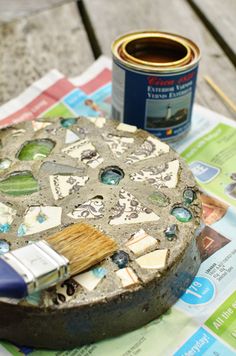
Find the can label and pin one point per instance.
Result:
(159, 103)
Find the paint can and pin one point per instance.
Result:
(153, 82)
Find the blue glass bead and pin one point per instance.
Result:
(121, 259)
(41, 218)
(181, 214)
(111, 176)
(171, 232)
(4, 247)
(21, 230)
(68, 122)
(4, 228)
(189, 196)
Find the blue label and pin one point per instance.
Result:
(203, 172)
(203, 343)
(161, 104)
(200, 291)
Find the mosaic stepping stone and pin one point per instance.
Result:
(124, 182)
(130, 211)
(162, 176)
(63, 185)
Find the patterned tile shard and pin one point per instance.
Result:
(91, 209)
(130, 211)
(118, 144)
(89, 280)
(140, 242)
(64, 185)
(97, 121)
(152, 147)
(38, 125)
(7, 215)
(85, 152)
(153, 260)
(165, 175)
(40, 218)
(71, 137)
(127, 277)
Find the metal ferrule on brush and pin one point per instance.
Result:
(38, 264)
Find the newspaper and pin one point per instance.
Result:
(203, 321)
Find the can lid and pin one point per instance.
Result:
(155, 51)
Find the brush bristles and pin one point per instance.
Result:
(82, 245)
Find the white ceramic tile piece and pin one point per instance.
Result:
(97, 121)
(40, 218)
(89, 280)
(64, 185)
(91, 209)
(130, 211)
(162, 176)
(7, 215)
(118, 145)
(127, 276)
(153, 260)
(152, 147)
(85, 152)
(140, 242)
(126, 127)
(38, 125)
(71, 137)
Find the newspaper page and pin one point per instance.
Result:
(203, 321)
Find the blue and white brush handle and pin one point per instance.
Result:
(31, 268)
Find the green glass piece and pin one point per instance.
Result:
(19, 183)
(4, 164)
(171, 232)
(189, 196)
(158, 198)
(181, 214)
(111, 176)
(68, 122)
(35, 149)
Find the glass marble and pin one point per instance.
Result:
(181, 214)
(4, 247)
(68, 122)
(111, 176)
(159, 199)
(4, 164)
(35, 149)
(171, 232)
(19, 183)
(189, 195)
(121, 259)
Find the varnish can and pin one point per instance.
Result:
(153, 82)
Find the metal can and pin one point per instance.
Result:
(153, 82)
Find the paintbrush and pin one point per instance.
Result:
(45, 263)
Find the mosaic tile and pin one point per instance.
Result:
(91, 209)
(127, 276)
(71, 137)
(7, 215)
(64, 185)
(5, 163)
(130, 211)
(151, 147)
(17, 132)
(98, 121)
(65, 291)
(118, 145)
(153, 260)
(162, 176)
(89, 280)
(38, 125)
(35, 149)
(85, 152)
(126, 128)
(19, 183)
(40, 218)
(82, 132)
(140, 242)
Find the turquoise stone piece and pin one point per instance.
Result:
(4, 247)
(111, 176)
(189, 195)
(181, 214)
(171, 232)
(21, 230)
(4, 164)
(159, 199)
(4, 228)
(19, 183)
(35, 149)
(68, 122)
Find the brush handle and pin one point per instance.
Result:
(12, 285)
